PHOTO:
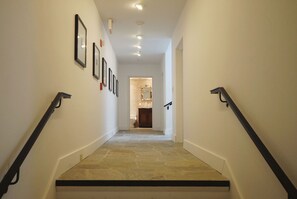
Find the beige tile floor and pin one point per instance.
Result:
(141, 155)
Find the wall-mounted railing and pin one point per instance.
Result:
(14, 170)
(168, 105)
(277, 170)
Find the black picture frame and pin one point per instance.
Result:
(117, 88)
(80, 42)
(114, 84)
(104, 72)
(110, 79)
(96, 61)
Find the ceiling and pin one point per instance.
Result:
(159, 18)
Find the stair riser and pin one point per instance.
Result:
(142, 192)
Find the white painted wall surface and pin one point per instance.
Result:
(167, 82)
(178, 135)
(249, 47)
(177, 42)
(37, 61)
(127, 71)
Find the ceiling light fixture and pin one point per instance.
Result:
(110, 23)
(139, 37)
(139, 23)
(139, 6)
(138, 53)
(137, 46)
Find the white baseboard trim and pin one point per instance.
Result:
(68, 161)
(218, 163)
(234, 188)
(157, 129)
(173, 137)
(168, 131)
(209, 157)
(177, 138)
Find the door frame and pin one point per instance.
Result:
(129, 96)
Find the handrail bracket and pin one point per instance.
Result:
(17, 178)
(223, 101)
(168, 105)
(60, 103)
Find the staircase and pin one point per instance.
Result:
(142, 165)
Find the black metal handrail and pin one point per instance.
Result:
(277, 170)
(168, 105)
(14, 170)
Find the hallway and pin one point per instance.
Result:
(141, 155)
(89, 49)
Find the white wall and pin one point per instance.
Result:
(178, 134)
(37, 61)
(127, 71)
(167, 82)
(177, 80)
(249, 47)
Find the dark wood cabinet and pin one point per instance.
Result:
(145, 117)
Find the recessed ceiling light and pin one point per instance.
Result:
(139, 6)
(139, 23)
(109, 24)
(139, 37)
(138, 53)
(137, 46)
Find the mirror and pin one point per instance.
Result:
(146, 93)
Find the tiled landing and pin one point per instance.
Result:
(142, 158)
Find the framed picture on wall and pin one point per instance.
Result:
(96, 61)
(117, 88)
(110, 79)
(104, 72)
(80, 40)
(114, 84)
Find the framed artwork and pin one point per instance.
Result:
(117, 88)
(104, 72)
(96, 61)
(110, 79)
(114, 84)
(80, 40)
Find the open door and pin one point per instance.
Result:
(141, 102)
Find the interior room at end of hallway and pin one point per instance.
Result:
(141, 99)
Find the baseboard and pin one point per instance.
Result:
(210, 158)
(124, 128)
(157, 129)
(168, 131)
(68, 161)
(235, 192)
(177, 138)
(217, 162)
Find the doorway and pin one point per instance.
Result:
(141, 102)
